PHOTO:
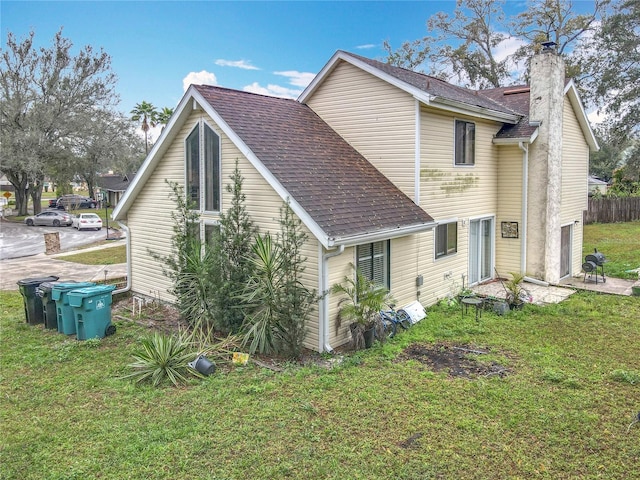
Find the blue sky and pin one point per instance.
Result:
(267, 47)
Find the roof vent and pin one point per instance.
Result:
(549, 46)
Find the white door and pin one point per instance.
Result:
(480, 250)
(565, 251)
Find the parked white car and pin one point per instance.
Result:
(84, 221)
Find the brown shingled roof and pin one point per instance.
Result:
(339, 189)
(436, 87)
(517, 99)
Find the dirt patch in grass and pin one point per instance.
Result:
(457, 360)
(154, 315)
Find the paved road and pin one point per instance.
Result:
(18, 240)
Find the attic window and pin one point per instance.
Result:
(202, 148)
(465, 143)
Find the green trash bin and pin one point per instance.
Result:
(49, 313)
(92, 311)
(33, 303)
(64, 311)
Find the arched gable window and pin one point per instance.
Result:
(202, 148)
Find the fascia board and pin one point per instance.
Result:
(473, 110)
(385, 234)
(516, 140)
(302, 214)
(571, 91)
(146, 169)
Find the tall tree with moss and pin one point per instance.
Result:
(48, 96)
(232, 246)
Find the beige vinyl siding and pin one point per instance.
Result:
(508, 250)
(450, 192)
(151, 225)
(575, 170)
(376, 118)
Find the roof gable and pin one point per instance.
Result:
(335, 191)
(427, 89)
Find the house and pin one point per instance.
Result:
(597, 185)
(114, 185)
(425, 186)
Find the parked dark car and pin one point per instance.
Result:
(49, 218)
(75, 202)
(53, 203)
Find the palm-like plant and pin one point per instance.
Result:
(164, 115)
(146, 113)
(163, 357)
(361, 304)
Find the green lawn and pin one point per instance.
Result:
(619, 242)
(562, 411)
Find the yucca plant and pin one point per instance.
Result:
(163, 357)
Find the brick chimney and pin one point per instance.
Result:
(545, 164)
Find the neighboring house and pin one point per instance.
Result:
(114, 185)
(597, 185)
(425, 186)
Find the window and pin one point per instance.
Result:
(446, 239)
(373, 262)
(465, 143)
(203, 169)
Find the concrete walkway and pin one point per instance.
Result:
(557, 293)
(42, 265)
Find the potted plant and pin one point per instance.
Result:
(361, 303)
(517, 295)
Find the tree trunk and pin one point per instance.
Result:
(19, 183)
(35, 190)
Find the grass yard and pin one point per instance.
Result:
(106, 256)
(557, 392)
(619, 242)
(562, 411)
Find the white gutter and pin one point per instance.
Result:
(127, 287)
(380, 235)
(324, 302)
(525, 201)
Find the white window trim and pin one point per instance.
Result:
(464, 165)
(202, 181)
(435, 239)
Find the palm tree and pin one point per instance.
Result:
(146, 112)
(164, 115)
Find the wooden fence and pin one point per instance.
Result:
(611, 210)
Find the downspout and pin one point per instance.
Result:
(325, 296)
(525, 200)
(127, 287)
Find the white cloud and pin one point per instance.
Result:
(507, 47)
(199, 78)
(272, 90)
(366, 46)
(235, 63)
(297, 79)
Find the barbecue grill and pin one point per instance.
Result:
(591, 265)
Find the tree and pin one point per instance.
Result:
(614, 62)
(465, 46)
(47, 96)
(233, 251)
(164, 116)
(111, 141)
(146, 113)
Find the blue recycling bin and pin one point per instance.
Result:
(92, 311)
(60, 293)
(32, 302)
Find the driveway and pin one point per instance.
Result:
(18, 240)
